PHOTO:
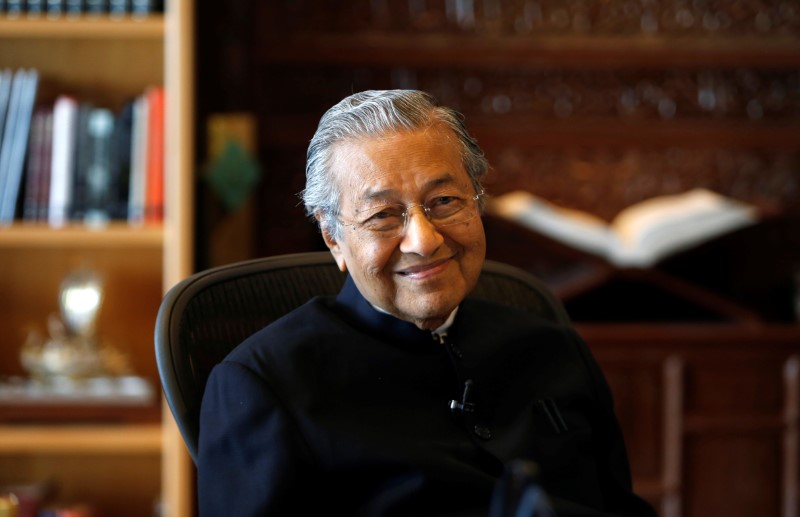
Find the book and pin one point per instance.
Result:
(121, 162)
(31, 496)
(38, 163)
(73, 8)
(98, 185)
(15, 142)
(35, 8)
(117, 8)
(33, 167)
(82, 163)
(95, 7)
(6, 79)
(80, 167)
(138, 175)
(154, 194)
(9, 131)
(145, 7)
(68, 510)
(65, 114)
(43, 200)
(55, 8)
(14, 8)
(640, 235)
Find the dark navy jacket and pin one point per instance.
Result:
(338, 409)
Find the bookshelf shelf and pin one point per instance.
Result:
(115, 235)
(89, 439)
(84, 27)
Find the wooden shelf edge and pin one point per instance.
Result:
(532, 131)
(115, 235)
(81, 439)
(537, 51)
(83, 27)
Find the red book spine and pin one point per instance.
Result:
(154, 196)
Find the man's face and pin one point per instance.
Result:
(423, 274)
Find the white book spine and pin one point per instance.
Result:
(65, 113)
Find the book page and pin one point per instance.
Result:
(657, 227)
(575, 228)
(641, 234)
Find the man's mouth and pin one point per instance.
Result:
(424, 270)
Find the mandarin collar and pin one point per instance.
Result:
(357, 310)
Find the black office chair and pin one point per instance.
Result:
(205, 316)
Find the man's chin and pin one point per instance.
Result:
(428, 316)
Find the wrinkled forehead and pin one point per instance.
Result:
(398, 164)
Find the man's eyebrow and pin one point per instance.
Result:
(378, 194)
(445, 179)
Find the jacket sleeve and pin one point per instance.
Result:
(250, 455)
(612, 458)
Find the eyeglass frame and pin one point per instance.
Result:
(359, 226)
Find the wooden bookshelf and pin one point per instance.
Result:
(114, 235)
(98, 28)
(112, 464)
(83, 439)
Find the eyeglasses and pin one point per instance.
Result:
(390, 221)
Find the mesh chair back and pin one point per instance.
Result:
(205, 316)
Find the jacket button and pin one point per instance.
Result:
(482, 432)
(456, 351)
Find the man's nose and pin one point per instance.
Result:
(421, 236)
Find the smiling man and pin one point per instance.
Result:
(412, 239)
(345, 406)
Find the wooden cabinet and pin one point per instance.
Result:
(709, 414)
(111, 462)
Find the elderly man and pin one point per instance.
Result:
(341, 407)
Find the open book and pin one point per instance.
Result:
(641, 234)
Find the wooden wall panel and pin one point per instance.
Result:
(709, 414)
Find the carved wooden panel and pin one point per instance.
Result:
(594, 105)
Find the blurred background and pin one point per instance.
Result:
(592, 106)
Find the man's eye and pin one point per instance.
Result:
(445, 205)
(386, 214)
(380, 216)
(444, 200)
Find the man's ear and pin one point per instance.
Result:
(332, 244)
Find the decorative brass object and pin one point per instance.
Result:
(72, 351)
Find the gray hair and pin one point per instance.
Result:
(371, 114)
